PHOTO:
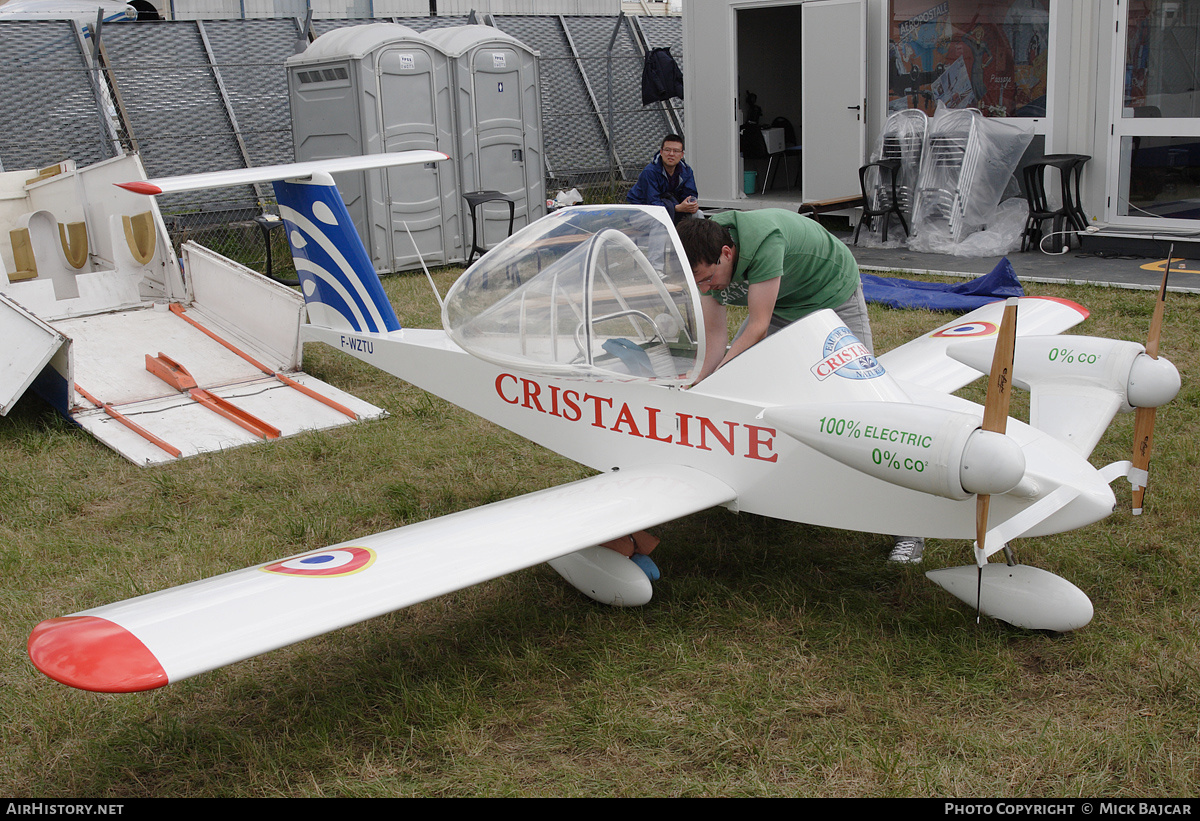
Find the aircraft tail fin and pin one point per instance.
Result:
(339, 282)
(337, 278)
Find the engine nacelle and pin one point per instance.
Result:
(1077, 384)
(1051, 362)
(922, 448)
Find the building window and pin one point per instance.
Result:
(985, 54)
(1162, 58)
(1160, 177)
(1157, 134)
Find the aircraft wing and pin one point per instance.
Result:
(925, 362)
(152, 640)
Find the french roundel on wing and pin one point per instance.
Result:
(969, 329)
(341, 561)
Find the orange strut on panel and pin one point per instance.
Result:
(178, 377)
(129, 423)
(234, 414)
(178, 310)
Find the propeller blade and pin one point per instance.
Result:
(995, 419)
(1143, 443)
(999, 393)
(1143, 421)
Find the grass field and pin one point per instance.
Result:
(776, 659)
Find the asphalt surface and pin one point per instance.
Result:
(1139, 270)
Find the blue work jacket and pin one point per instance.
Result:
(651, 187)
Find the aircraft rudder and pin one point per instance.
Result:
(337, 278)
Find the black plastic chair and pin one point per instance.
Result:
(474, 200)
(1070, 168)
(886, 200)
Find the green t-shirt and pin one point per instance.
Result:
(817, 269)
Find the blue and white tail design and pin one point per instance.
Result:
(338, 281)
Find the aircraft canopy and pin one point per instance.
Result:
(590, 292)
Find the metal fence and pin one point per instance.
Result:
(199, 95)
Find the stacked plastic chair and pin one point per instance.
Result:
(952, 151)
(903, 139)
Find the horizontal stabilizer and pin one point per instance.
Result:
(163, 637)
(272, 173)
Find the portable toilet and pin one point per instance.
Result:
(376, 88)
(498, 143)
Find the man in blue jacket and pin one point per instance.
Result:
(668, 181)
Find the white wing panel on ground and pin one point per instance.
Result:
(163, 637)
(28, 344)
(924, 360)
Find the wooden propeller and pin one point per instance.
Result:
(1143, 420)
(995, 419)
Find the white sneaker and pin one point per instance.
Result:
(907, 550)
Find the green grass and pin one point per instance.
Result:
(775, 659)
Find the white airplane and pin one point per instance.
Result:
(582, 333)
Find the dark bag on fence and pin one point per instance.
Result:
(661, 77)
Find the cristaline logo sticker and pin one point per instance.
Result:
(332, 562)
(847, 357)
(967, 329)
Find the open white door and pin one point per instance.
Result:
(833, 130)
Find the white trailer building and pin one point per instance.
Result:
(1114, 80)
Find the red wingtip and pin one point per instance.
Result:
(141, 187)
(94, 654)
(1083, 312)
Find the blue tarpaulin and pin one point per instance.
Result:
(1001, 283)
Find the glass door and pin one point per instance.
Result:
(1155, 146)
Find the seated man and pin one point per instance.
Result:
(667, 181)
(781, 265)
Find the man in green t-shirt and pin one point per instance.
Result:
(779, 264)
(783, 267)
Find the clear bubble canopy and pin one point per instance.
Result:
(598, 292)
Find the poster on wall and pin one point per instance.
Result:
(985, 54)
